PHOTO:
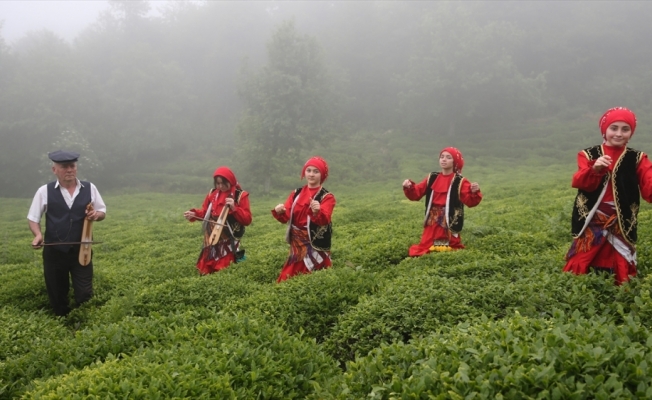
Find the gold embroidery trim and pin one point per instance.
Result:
(319, 232)
(614, 188)
(582, 209)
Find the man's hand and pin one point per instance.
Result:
(37, 243)
(95, 215)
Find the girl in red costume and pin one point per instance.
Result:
(447, 192)
(226, 193)
(307, 211)
(610, 180)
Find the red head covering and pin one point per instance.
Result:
(458, 160)
(318, 163)
(617, 114)
(227, 174)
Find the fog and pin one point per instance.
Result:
(164, 91)
(65, 18)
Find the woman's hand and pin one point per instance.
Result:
(475, 188)
(315, 207)
(280, 209)
(189, 215)
(601, 163)
(230, 203)
(407, 184)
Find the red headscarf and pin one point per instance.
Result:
(227, 174)
(318, 163)
(458, 160)
(617, 114)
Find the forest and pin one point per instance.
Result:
(378, 88)
(158, 102)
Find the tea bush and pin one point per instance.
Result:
(498, 319)
(215, 292)
(23, 331)
(234, 357)
(24, 287)
(309, 303)
(635, 300)
(57, 355)
(420, 302)
(515, 357)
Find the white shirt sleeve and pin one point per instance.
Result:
(39, 204)
(96, 198)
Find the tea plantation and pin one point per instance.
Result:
(497, 320)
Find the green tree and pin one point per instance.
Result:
(208, 41)
(594, 57)
(463, 71)
(129, 13)
(73, 140)
(289, 105)
(372, 42)
(138, 97)
(40, 97)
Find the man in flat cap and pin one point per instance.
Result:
(64, 203)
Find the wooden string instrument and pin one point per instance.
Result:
(219, 225)
(86, 240)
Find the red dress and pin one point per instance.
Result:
(219, 256)
(435, 231)
(601, 245)
(303, 258)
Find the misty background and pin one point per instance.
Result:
(155, 97)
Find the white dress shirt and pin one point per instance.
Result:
(40, 202)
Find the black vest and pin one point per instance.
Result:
(63, 224)
(455, 205)
(320, 235)
(627, 196)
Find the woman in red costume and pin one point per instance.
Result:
(307, 211)
(226, 193)
(447, 192)
(610, 180)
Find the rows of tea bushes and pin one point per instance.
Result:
(566, 356)
(498, 319)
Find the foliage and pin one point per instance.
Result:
(517, 357)
(391, 322)
(288, 104)
(419, 301)
(157, 97)
(234, 357)
(172, 296)
(21, 332)
(309, 304)
(37, 104)
(72, 140)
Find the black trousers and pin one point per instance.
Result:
(58, 269)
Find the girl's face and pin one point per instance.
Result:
(313, 176)
(222, 184)
(618, 134)
(446, 162)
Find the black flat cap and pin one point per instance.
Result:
(61, 156)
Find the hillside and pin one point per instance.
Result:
(499, 318)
